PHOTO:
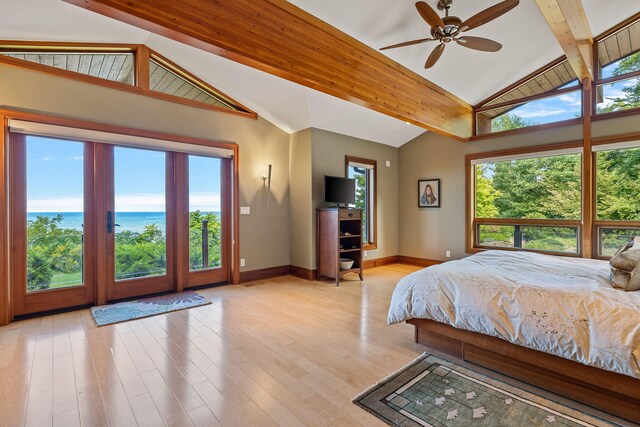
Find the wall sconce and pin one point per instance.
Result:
(266, 179)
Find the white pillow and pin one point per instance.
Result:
(625, 266)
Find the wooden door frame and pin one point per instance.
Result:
(6, 306)
(185, 278)
(6, 296)
(212, 276)
(51, 299)
(128, 288)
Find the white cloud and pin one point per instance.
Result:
(148, 202)
(207, 202)
(541, 112)
(61, 204)
(572, 99)
(142, 202)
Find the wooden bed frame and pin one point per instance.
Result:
(611, 392)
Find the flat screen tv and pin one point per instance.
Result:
(339, 191)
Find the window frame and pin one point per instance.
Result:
(607, 144)
(589, 226)
(592, 96)
(142, 56)
(473, 222)
(372, 209)
(486, 104)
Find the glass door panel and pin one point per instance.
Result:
(205, 227)
(51, 223)
(55, 213)
(140, 220)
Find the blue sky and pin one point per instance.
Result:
(569, 105)
(55, 178)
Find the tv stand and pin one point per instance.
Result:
(339, 236)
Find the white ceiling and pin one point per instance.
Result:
(528, 44)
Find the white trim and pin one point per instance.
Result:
(55, 131)
(551, 153)
(616, 146)
(360, 165)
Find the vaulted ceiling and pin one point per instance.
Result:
(471, 75)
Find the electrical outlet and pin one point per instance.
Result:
(366, 253)
(448, 253)
(242, 262)
(388, 163)
(245, 210)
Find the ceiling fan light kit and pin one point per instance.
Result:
(447, 29)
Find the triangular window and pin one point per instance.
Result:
(550, 96)
(169, 79)
(115, 67)
(118, 66)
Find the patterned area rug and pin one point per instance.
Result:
(434, 392)
(129, 310)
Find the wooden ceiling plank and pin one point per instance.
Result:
(568, 22)
(624, 43)
(634, 35)
(279, 38)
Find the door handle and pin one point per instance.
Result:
(110, 223)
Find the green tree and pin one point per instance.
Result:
(360, 175)
(39, 272)
(547, 187)
(631, 98)
(51, 250)
(618, 185)
(196, 223)
(486, 194)
(54, 251)
(510, 121)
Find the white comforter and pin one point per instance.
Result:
(562, 306)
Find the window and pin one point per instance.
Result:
(547, 96)
(132, 68)
(553, 94)
(167, 78)
(528, 202)
(551, 109)
(364, 171)
(113, 66)
(618, 78)
(617, 196)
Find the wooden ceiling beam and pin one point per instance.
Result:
(279, 38)
(569, 24)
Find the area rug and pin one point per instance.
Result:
(434, 392)
(130, 310)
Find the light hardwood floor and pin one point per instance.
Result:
(279, 352)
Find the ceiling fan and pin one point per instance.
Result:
(448, 28)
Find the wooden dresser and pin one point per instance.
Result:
(339, 236)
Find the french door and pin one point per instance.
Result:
(94, 222)
(52, 224)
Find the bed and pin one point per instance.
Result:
(551, 321)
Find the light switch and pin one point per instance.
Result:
(245, 210)
(388, 163)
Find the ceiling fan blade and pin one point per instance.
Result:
(435, 55)
(489, 14)
(412, 42)
(479, 43)
(429, 15)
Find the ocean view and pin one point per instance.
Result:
(134, 221)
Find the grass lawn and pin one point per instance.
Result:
(66, 280)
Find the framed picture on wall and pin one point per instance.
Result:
(429, 195)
